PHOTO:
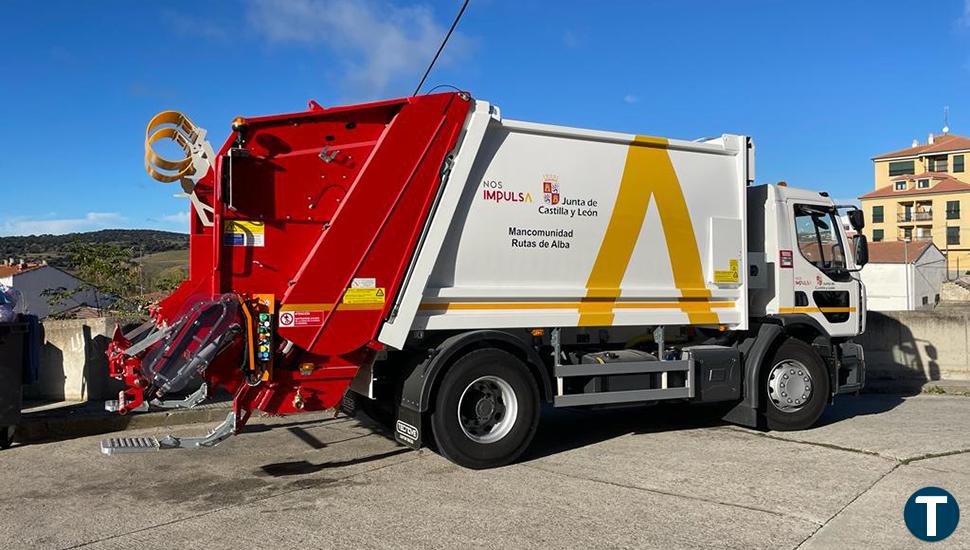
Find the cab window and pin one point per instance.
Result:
(816, 229)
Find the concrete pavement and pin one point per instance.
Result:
(653, 477)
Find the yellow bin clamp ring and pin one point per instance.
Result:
(181, 130)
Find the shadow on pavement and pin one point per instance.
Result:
(566, 429)
(848, 406)
(302, 467)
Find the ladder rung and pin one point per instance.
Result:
(628, 396)
(624, 367)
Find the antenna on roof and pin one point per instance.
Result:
(946, 119)
(443, 42)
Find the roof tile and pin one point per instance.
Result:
(941, 144)
(897, 252)
(948, 185)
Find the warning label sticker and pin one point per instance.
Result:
(242, 233)
(364, 295)
(730, 275)
(301, 318)
(364, 282)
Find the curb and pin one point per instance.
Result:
(51, 425)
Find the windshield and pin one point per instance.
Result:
(816, 228)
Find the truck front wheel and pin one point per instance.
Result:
(794, 386)
(486, 410)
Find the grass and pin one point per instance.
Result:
(162, 263)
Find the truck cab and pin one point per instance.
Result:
(803, 269)
(808, 268)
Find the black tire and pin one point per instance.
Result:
(808, 413)
(452, 440)
(6, 436)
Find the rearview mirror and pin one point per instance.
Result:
(856, 219)
(861, 246)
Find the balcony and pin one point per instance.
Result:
(917, 237)
(910, 217)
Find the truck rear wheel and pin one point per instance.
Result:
(486, 410)
(794, 386)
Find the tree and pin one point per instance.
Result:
(109, 270)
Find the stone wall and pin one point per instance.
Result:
(73, 364)
(903, 348)
(917, 346)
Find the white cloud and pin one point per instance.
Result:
(379, 45)
(630, 99)
(50, 224)
(179, 218)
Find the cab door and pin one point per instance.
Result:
(824, 287)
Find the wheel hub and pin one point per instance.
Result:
(487, 409)
(484, 408)
(790, 385)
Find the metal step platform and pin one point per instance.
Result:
(125, 445)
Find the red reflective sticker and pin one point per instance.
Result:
(301, 318)
(785, 259)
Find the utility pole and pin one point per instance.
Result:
(906, 268)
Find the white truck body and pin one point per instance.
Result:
(549, 226)
(556, 226)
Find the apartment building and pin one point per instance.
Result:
(923, 193)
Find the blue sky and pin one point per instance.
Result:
(821, 86)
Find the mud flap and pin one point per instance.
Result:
(407, 429)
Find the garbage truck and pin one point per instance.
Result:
(464, 271)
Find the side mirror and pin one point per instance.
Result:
(856, 219)
(861, 246)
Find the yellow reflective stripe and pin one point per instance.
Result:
(328, 307)
(810, 309)
(648, 172)
(602, 305)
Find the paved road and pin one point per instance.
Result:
(660, 477)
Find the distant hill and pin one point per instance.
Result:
(168, 263)
(53, 248)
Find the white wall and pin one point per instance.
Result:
(929, 273)
(886, 284)
(33, 283)
(885, 287)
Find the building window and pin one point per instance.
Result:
(958, 163)
(907, 233)
(952, 235)
(877, 235)
(877, 214)
(902, 167)
(901, 185)
(923, 184)
(937, 164)
(953, 210)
